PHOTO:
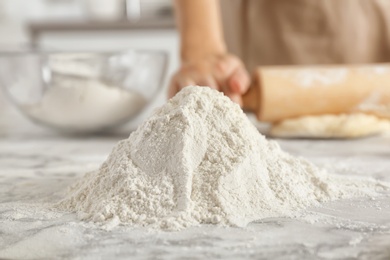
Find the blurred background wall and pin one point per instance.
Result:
(89, 25)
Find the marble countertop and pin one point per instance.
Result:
(36, 166)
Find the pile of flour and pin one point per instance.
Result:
(197, 160)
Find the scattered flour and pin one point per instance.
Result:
(312, 78)
(331, 126)
(199, 160)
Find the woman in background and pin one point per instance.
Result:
(220, 40)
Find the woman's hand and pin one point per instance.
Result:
(205, 61)
(224, 72)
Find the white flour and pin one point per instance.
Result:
(311, 78)
(197, 160)
(79, 98)
(85, 105)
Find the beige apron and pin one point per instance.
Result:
(275, 32)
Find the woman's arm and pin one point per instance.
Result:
(205, 60)
(199, 24)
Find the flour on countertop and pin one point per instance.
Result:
(199, 160)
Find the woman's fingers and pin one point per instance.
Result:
(173, 89)
(207, 81)
(231, 75)
(236, 98)
(179, 82)
(185, 82)
(239, 81)
(225, 73)
(223, 68)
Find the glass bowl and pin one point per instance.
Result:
(82, 92)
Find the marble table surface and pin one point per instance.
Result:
(36, 166)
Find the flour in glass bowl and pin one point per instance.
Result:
(84, 105)
(199, 160)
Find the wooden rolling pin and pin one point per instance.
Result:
(283, 92)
